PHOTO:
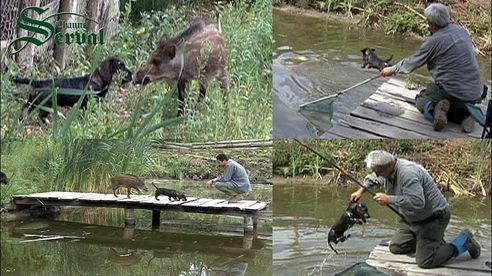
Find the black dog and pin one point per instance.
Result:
(355, 213)
(98, 82)
(370, 58)
(170, 193)
(3, 178)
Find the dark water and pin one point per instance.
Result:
(185, 243)
(313, 57)
(303, 214)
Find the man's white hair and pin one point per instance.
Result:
(437, 14)
(379, 158)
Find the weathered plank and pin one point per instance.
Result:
(347, 132)
(403, 123)
(203, 205)
(381, 257)
(411, 113)
(212, 202)
(198, 202)
(390, 112)
(257, 206)
(379, 128)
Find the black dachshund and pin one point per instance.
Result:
(170, 193)
(370, 58)
(356, 213)
(98, 82)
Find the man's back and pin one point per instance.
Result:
(452, 62)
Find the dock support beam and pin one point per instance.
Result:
(250, 223)
(156, 219)
(130, 216)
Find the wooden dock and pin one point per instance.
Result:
(403, 265)
(249, 209)
(390, 112)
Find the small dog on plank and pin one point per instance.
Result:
(370, 58)
(356, 213)
(170, 193)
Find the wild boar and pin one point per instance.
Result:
(204, 54)
(128, 181)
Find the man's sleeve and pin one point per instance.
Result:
(421, 57)
(370, 181)
(227, 175)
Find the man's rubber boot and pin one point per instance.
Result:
(465, 242)
(468, 124)
(427, 111)
(441, 114)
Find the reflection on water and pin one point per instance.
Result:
(107, 250)
(313, 57)
(304, 213)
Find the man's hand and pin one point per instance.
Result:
(381, 198)
(356, 196)
(387, 72)
(209, 184)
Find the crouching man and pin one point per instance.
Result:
(234, 181)
(426, 214)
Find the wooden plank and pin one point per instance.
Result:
(100, 197)
(411, 113)
(382, 258)
(212, 203)
(410, 125)
(197, 202)
(137, 198)
(246, 203)
(379, 129)
(257, 206)
(347, 132)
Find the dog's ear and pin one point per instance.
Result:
(103, 72)
(373, 50)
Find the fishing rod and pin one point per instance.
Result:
(347, 174)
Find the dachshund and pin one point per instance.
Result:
(356, 213)
(98, 82)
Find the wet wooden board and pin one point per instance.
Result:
(373, 120)
(381, 258)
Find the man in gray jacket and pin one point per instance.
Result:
(449, 56)
(426, 214)
(234, 181)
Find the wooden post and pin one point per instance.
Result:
(130, 217)
(156, 219)
(248, 241)
(248, 224)
(128, 232)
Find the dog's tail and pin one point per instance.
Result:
(336, 252)
(154, 185)
(389, 58)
